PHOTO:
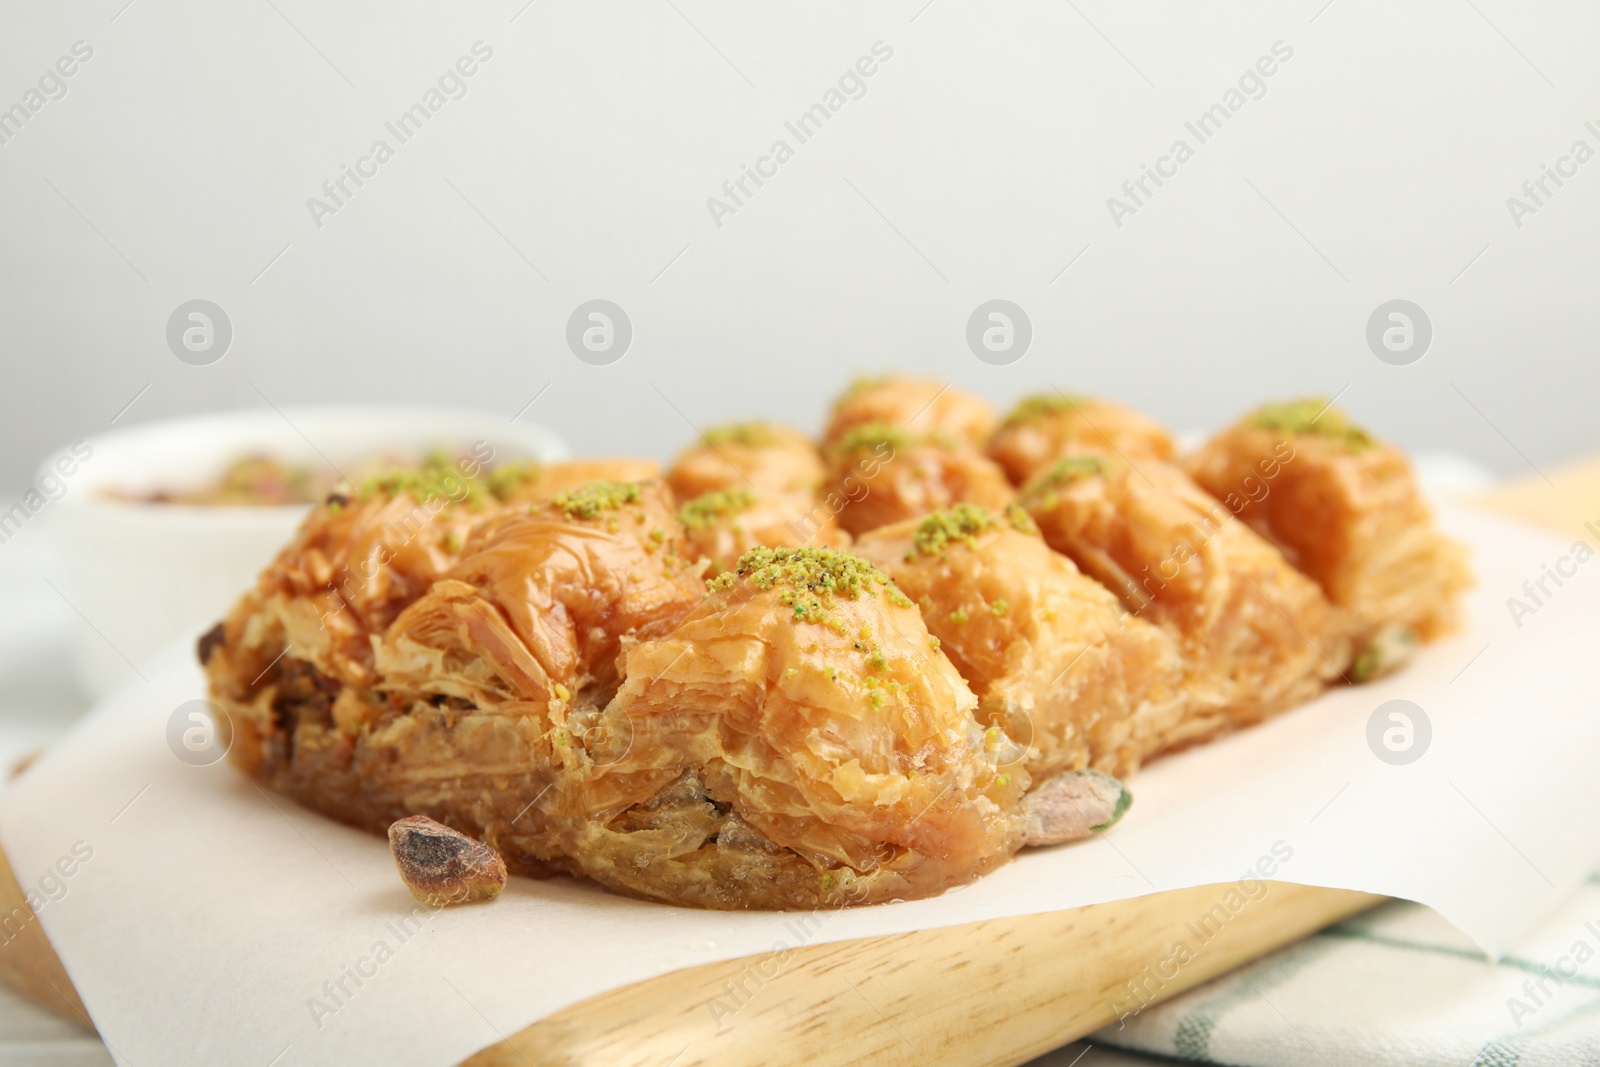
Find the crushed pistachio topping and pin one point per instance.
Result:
(1072, 468)
(960, 524)
(1043, 491)
(590, 501)
(812, 580)
(439, 476)
(434, 477)
(999, 607)
(1020, 520)
(959, 615)
(502, 481)
(862, 382)
(1040, 405)
(707, 508)
(750, 434)
(869, 435)
(1313, 415)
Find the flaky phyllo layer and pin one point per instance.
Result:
(703, 690)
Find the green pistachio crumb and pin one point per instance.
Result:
(592, 500)
(506, 478)
(1032, 408)
(1020, 520)
(750, 434)
(814, 579)
(1072, 468)
(962, 523)
(707, 508)
(868, 436)
(436, 477)
(1313, 415)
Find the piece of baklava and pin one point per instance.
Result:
(881, 474)
(463, 707)
(760, 457)
(723, 524)
(797, 742)
(1051, 426)
(1060, 667)
(555, 478)
(1345, 509)
(366, 553)
(570, 695)
(916, 405)
(1257, 636)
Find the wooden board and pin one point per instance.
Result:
(994, 993)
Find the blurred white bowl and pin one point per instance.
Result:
(144, 574)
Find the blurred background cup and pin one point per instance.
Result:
(142, 574)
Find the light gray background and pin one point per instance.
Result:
(977, 166)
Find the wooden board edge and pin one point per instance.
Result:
(997, 992)
(993, 992)
(28, 962)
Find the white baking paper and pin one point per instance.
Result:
(215, 924)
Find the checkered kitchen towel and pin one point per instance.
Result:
(1397, 985)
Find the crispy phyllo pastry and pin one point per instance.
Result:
(687, 691)
(1257, 636)
(723, 524)
(459, 708)
(880, 474)
(1051, 426)
(1060, 667)
(542, 601)
(1345, 509)
(798, 741)
(793, 740)
(761, 457)
(916, 405)
(363, 555)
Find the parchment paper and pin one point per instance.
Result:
(212, 923)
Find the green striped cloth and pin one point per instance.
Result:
(1397, 985)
